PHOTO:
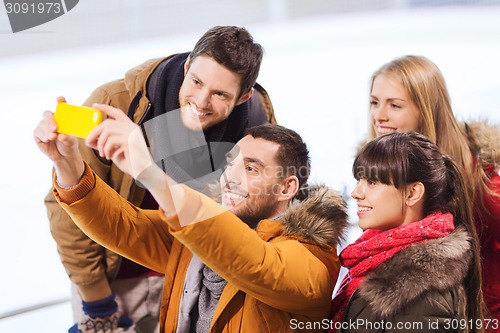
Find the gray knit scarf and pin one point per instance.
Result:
(211, 290)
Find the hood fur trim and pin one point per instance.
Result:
(484, 139)
(438, 264)
(318, 216)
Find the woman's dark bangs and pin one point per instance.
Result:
(374, 163)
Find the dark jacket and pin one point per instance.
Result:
(421, 286)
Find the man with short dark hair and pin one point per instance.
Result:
(259, 263)
(213, 92)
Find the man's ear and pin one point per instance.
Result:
(245, 97)
(186, 65)
(290, 186)
(415, 194)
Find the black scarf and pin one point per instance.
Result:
(184, 154)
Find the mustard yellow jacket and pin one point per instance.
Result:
(278, 275)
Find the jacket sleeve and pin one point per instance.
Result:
(115, 223)
(83, 259)
(281, 273)
(492, 203)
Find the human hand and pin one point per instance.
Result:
(120, 140)
(101, 316)
(56, 146)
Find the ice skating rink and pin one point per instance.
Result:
(316, 71)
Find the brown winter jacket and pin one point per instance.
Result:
(85, 261)
(280, 272)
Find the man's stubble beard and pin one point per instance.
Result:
(253, 215)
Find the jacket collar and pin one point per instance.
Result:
(437, 264)
(317, 217)
(136, 78)
(484, 139)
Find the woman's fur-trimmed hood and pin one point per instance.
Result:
(318, 216)
(438, 264)
(484, 140)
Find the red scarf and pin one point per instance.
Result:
(374, 247)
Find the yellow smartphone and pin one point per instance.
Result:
(76, 120)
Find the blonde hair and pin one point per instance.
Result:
(425, 84)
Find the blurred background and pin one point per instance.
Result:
(319, 57)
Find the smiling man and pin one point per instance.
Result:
(262, 262)
(209, 92)
(254, 195)
(212, 95)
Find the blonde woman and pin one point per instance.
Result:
(410, 94)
